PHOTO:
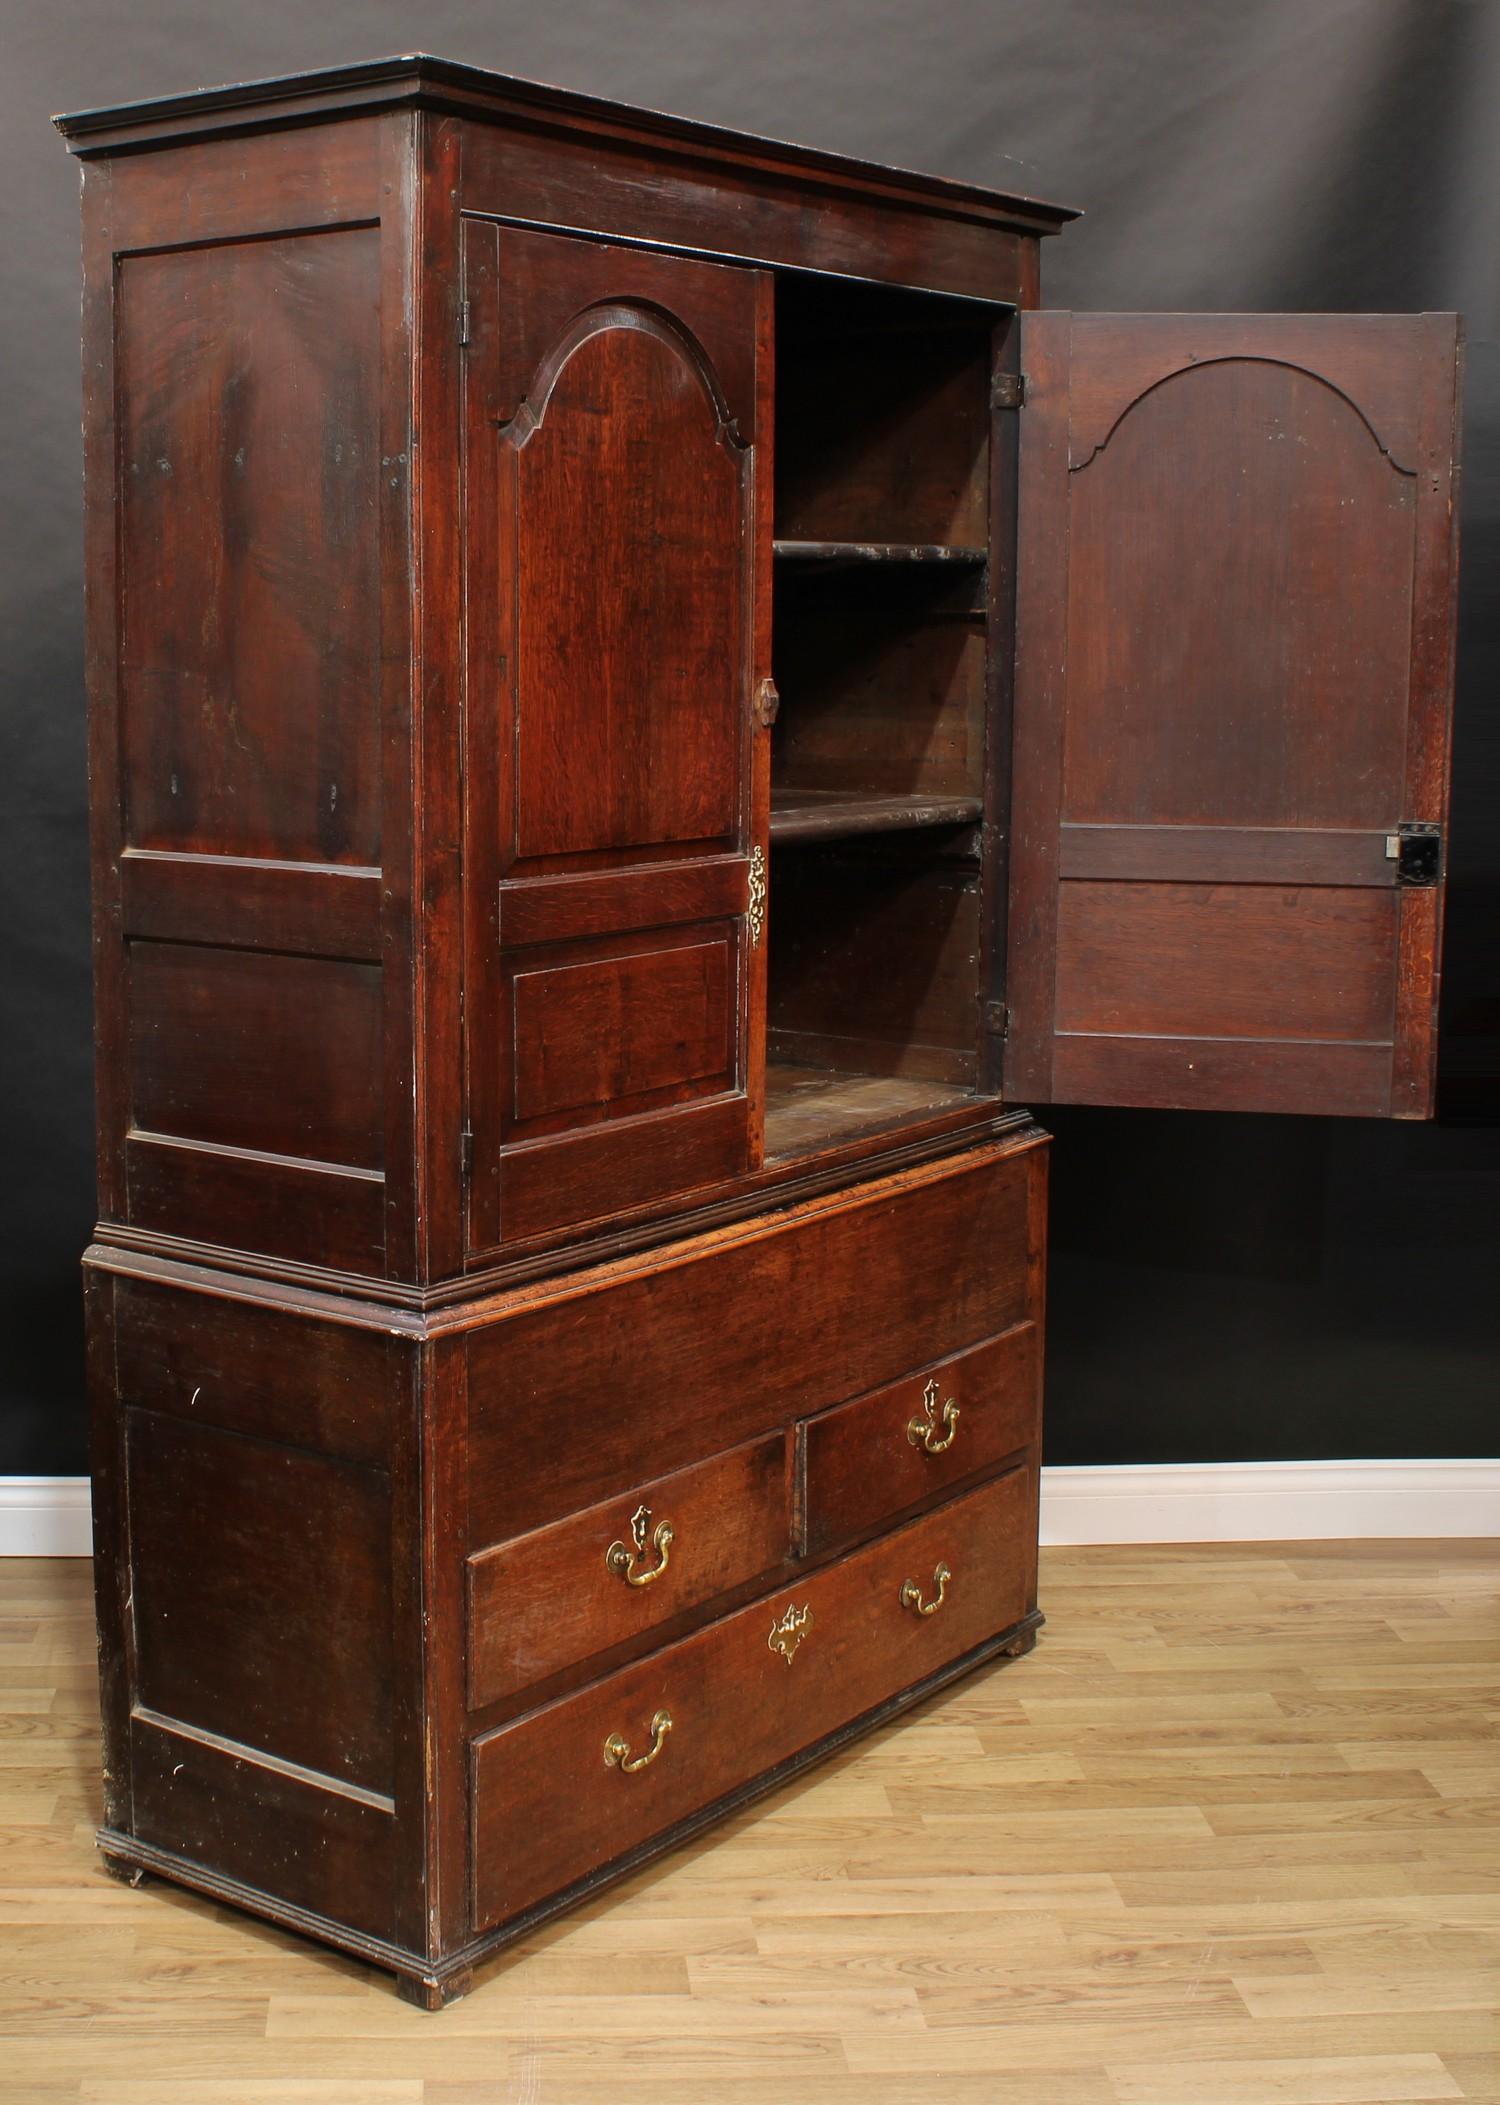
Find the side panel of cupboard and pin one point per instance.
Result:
(614, 884)
(248, 447)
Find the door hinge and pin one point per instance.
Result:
(466, 1152)
(463, 321)
(996, 1019)
(767, 703)
(1417, 851)
(1007, 390)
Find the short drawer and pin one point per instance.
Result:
(706, 1344)
(586, 1780)
(902, 1446)
(620, 1569)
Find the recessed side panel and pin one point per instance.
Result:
(249, 479)
(249, 1049)
(262, 1605)
(1233, 703)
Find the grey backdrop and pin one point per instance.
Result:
(1221, 1286)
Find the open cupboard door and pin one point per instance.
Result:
(1233, 700)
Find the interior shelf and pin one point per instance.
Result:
(808, 1108)
(846, 552)
(836, 814)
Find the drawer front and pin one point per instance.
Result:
(619, 1570)
(723, 1340)
(579, 1784)
(902, 1446)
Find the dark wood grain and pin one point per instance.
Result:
(293, 908)
(249, 477)
(862, 1468)
(541, 1067)
(225, 1815)
(550, 1599)
(545, 1799)
(875, 961)
(675, 1360)
(611, 412)
(1224, 961)
(1274, 855)
(262, 1595)
(613, 1027)
(1259, 475)
(252, 1049)
(812, 815)
(882, 681)
(443, 83)
(285, 1209)
(264, 1373)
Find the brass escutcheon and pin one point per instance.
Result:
(617, 1754)
(789, 1632)
(911, 1593)
(923, 1430)
(755, 909)
(620, 1558)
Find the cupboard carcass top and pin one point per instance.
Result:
(694, 185)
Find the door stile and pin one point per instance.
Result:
(760, 717)
(1429, 733)
(1040, 700)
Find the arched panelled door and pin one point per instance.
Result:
(613, 891)
(1233, 698)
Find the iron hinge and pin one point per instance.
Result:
(466, 1152)
(996, 1019)
(463, 321)
(1417, 851)
(1007, 390)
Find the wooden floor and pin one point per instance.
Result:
(1230, 1836)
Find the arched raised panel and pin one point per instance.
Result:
(612, 412)
(1233, 701)
(628, 496)
(1232, 510)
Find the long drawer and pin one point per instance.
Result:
(581, 1783)
(662, 1361)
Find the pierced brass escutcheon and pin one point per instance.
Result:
(789, 1631)
(923, 1430)
(621, 1558)
(911, 1593)
(755, 909)
(617, 1754)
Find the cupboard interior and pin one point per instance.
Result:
(881, 753)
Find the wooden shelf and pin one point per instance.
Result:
(861, 552)
(811, 1108)
(828, 814)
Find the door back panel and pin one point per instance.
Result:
(1233, 693)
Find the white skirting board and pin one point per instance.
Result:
(1270, 1501)
(45, 1516)
(48, 1516)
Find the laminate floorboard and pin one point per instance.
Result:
(1230, 1836)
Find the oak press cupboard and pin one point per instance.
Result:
(644, 702)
